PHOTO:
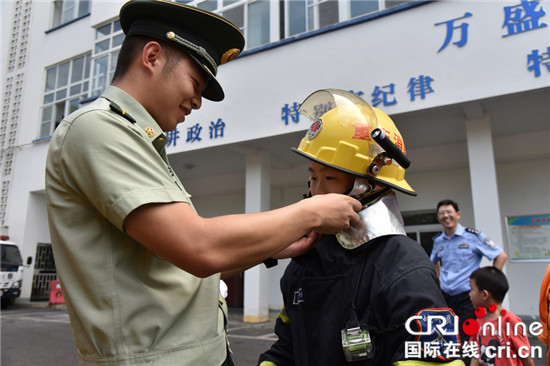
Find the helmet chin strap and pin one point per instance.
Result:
(366, 191)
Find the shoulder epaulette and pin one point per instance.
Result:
(116, 108)
(436, 235)
(473, 231)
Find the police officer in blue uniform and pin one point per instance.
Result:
(457, 252)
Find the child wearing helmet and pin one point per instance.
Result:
(353, 296)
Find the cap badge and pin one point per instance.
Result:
(229, 55)
(314, 129)
(150, 131)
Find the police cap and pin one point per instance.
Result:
(208, 38)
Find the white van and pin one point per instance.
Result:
(11, 272)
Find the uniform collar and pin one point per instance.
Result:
(458, 232)
(144, 121)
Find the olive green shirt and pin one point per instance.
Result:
(127, 306)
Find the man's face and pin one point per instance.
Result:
(176, 91)
(448, 217)
(328, 180)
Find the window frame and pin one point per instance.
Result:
(63, 96)
(74, 8)
(223, 7)
(114, 38)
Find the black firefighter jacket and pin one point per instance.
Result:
(397, 281)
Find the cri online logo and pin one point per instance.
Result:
(444, 323)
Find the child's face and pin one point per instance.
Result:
(328, 180)
(476, 296)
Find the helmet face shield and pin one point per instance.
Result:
(348, 109)
(340, 137)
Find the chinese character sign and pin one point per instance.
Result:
(420, 87)
(193, 133)
(523, 17)
(290, 112)
(216, 129)
(173, 137)
(536, 61)
(463, 26)
(381, 94)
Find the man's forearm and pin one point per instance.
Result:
(500, 260)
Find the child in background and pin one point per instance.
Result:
(499, 344)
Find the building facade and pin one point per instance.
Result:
(467, 84)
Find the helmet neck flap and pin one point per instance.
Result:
(379, 217)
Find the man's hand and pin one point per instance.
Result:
(335, 212)
(299, 247)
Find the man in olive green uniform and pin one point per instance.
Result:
(139, 268)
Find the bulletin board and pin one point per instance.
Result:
(528, 237)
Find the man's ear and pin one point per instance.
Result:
(151, 56)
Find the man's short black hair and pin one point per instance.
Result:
(131, 49)
(447, 203)
(491, 279)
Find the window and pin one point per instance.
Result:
(392, 3)
(307, 15)
(251, 17)
(422, 226)
(296, 15)
(108, 40)
(65, 85)
(360, 7)
(321, 13)
(302, 16)
(257, 30)
(67, 10)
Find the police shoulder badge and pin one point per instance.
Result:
(314, 129)
(473, 231)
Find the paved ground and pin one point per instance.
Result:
(249, 340)
(38, 334)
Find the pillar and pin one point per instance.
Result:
(257, 199)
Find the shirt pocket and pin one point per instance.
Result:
(464, 254)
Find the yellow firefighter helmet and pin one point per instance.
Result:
(345, 135)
